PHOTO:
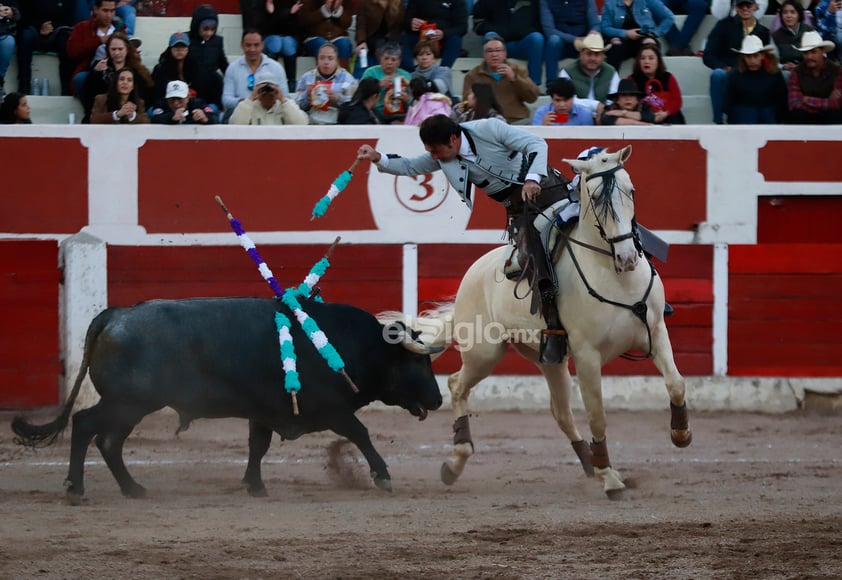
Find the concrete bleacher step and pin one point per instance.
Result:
(54, 110)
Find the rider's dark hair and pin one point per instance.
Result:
(438, 129)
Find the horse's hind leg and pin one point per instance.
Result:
(477, 363)
(680, 433)
(560, 385)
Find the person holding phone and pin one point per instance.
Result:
(563, 108)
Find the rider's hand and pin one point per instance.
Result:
(531, 190)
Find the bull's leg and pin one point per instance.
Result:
(85, 426)
(260, 438)
(560, 385)
(680, 433)
(118, 422)
(590, 383)
(357, 433)
(111, 447)
(478, 361)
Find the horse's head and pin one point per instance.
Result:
(607, 198)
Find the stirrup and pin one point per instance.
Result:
(553, 346)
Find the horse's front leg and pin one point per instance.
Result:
(560, 384)
(588, 371)
(680, 433)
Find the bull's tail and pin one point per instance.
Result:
(45, 435)
(434, 324)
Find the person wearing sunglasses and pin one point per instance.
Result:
(240, 78)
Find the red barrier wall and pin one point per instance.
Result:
(29, 340)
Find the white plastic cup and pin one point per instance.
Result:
(397, 87)
(71, 118)
(363, 56)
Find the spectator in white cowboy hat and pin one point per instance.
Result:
(755, 91)
(829, 21)
(267, 104)
(594, 78)
(728, 34)
(814, 88)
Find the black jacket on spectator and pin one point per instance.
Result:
(355, 113)
(209, 57)
(167, 70)
(163, 115)
(449, 17)
(511, 19)
(10, 25)
(758, 88)
(37, 12)
(728, 34)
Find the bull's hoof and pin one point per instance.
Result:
(384, 484)
(681, 438)
(257, 491)
(134, 491)
(73, 498)
(448, 476)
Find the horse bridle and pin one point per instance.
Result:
(639, 308)
(622, 237)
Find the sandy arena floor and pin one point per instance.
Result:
(754, 496)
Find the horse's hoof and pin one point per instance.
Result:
(615, 494)
(384, 484)
(448, 476)
(681, 438)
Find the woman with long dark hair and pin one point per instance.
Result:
(120, 53)
(121, 104)
(479, 103)
(659, 87)
(176, 64)
(360, 109)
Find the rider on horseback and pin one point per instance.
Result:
(510, 165)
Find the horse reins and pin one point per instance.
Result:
(639, 308)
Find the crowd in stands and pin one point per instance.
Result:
(390, 61)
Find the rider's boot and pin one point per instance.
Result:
(554, 337)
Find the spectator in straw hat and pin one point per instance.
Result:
(755, 91)
(815, 86)
(593, 78)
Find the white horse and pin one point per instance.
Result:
(607, 304)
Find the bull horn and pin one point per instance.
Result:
(419, 347)
(397, 333)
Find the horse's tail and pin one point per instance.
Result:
(434, 324)
(45, 435)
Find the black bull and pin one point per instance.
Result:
(220, 357)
